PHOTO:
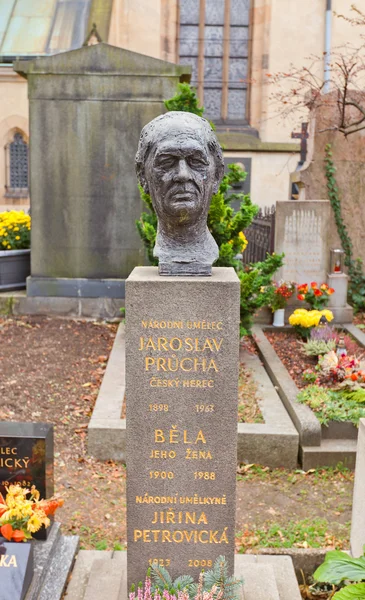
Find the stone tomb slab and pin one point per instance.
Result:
(302, 233)
(182, 346)
(26, 458)
(16, 570)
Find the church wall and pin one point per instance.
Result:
(13, 116)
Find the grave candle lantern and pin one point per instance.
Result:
(337, 260)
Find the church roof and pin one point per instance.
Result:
(40, 27)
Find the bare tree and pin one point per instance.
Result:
(302, 88)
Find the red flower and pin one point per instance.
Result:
(330, 291)
(314, 285)
(301, 297)
(6, 531)
(18, 535)
(317, 292)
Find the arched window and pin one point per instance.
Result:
(16, 154)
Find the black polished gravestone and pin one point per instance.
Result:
(26, 458)
(16, 570)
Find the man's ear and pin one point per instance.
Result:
(142, 178)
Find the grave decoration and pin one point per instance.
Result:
(23, 513)
(282, 291)
(182, 342)
(26, 458)
(29, 559)
(317, 296)
(214, 584)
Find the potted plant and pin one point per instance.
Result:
(282, 291)
(14, 249)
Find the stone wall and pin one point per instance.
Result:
(349, 160)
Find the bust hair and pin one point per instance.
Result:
(159, 129)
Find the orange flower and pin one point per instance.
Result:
(324, 286)
(330, 291)
(303, 288)
(6, 531)
(301, 297)
(18, 535)
(49, 507)
(317, 292)
(314, 285)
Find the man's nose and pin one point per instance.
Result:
(183, 172)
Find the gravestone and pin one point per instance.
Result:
(37, 570)
(16, 570)
(87, 107)
(357, 540)
(182, 342)
(26, 458)
(302, 233)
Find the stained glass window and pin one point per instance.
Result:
(214, 40)
(17, 161)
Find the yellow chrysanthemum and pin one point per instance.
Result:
(35, 523)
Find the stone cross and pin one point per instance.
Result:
(302, 136)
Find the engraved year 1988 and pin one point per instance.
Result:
(204, 475)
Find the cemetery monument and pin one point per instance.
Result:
(182, 341)
(184, 245)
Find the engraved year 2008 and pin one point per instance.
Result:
(161, 475)
(199, 563)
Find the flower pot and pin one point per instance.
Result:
(279, 317)
(14, 269)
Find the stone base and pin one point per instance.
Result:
(99, 575)
(53, 561)
(18, 303)
(64, 287)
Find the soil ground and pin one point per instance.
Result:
(51, 370)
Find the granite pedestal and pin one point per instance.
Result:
(182, 345)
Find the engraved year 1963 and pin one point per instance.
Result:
(204, 408)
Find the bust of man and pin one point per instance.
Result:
(180, 164)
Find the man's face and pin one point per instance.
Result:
(181, 174)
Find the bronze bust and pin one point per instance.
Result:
(179, 162)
